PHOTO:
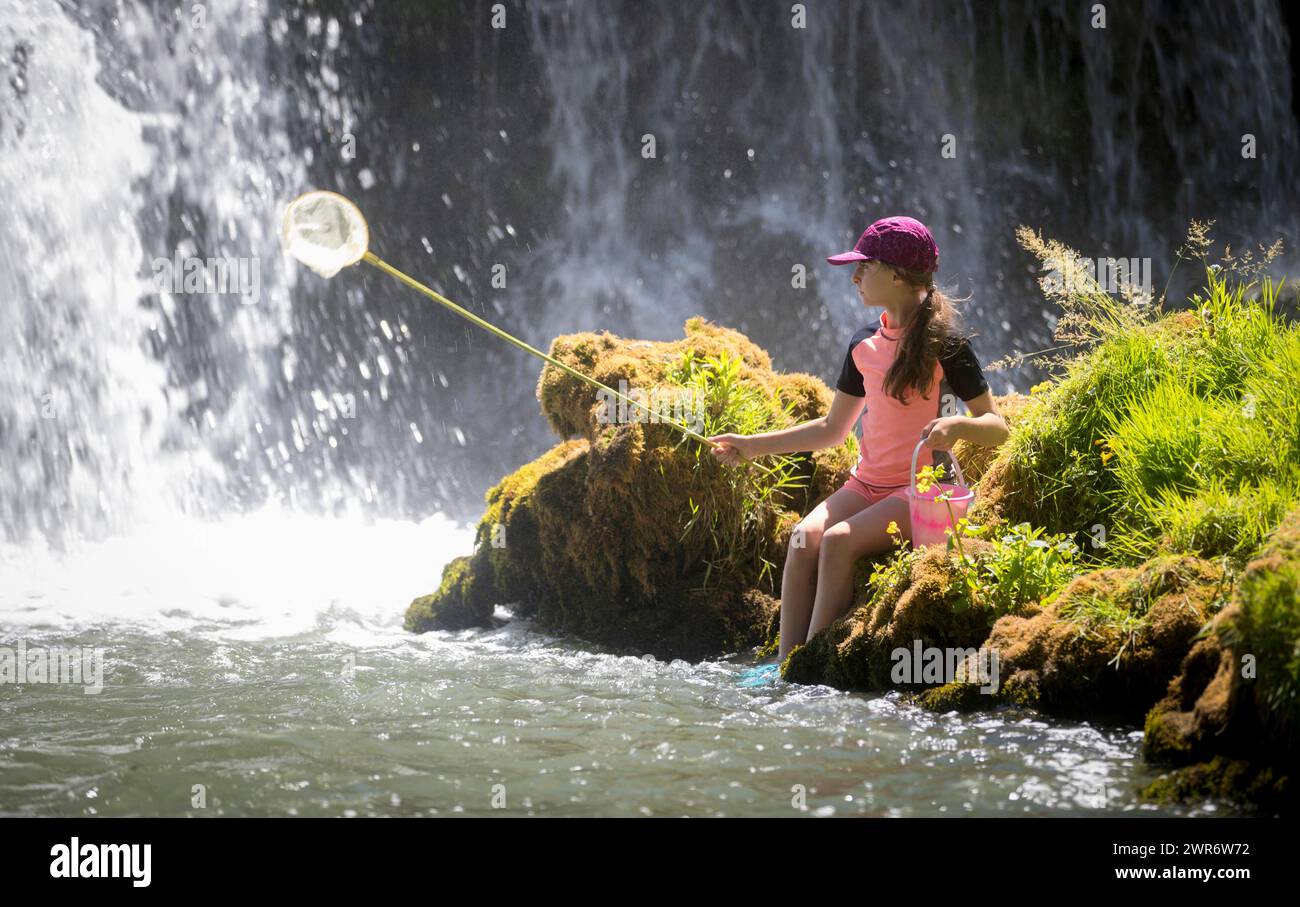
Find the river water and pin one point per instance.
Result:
(232, 494)
(262, 659)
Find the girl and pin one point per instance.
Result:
(892, 367)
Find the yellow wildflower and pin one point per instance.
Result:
(926, 478)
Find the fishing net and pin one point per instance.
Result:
(325, 232)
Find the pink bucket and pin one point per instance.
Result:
(930, 518)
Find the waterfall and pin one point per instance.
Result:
(83, 409)
(134, 137)
(135, 132)
(844, 115)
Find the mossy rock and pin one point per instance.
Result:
(957, 696)
(573, 408)
(807, 395)
(1109, 643)
(1268, 631)
(1229, 718)
(628, 535)
(856, 652)
(509, 547)
(510, 536)
(461, 602)
(1225, 780)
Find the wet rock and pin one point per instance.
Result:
(1230, 719)
(630, 535)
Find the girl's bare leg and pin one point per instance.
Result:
(842, 545)
(799, 582)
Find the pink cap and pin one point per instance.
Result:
(904, 242)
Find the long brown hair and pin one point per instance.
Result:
(933, 329)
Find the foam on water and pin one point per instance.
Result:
(268, 574)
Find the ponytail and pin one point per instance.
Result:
(931, 331)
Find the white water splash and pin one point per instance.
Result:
(260, 576)
(81, 401)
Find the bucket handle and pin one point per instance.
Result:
(956, 467)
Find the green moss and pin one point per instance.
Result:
(631, 536)
(1223, 779)
(958, 696)
(918, 603)
(806, 396)
(1229, 717)
(1267, 632)
(460, 602)
(1108, 645)
(509, 538)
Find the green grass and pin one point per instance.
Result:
(1175, 432)
(739, 511)
(1066, 486)
(1207, 460)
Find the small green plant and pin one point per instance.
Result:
(897, 568)
(1023, 566)
(1026, 566)
(728, 404)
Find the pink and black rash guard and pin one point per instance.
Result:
(891, 429)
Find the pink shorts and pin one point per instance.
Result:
(874, 493)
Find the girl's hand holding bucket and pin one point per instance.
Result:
(942, 433)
